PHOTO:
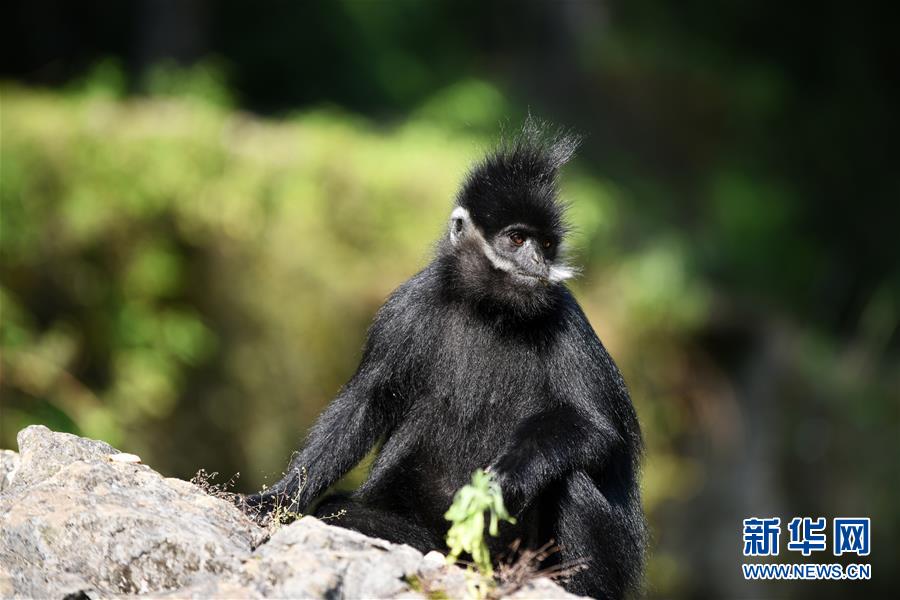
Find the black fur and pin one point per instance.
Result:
(517, 182)
(467, 366)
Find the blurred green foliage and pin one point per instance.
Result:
(193, 283)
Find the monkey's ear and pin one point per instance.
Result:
(460, 224)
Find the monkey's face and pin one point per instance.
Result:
(527, 253)
(516, 266)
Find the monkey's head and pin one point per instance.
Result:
(506, 232)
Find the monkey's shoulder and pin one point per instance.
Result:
(412, 299)
(579, 353)
(406, 316)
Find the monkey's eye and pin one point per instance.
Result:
(517, 238)
(547, 244)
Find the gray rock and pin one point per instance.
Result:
(9, 462)
(309, 559)
(73, 518)
(356, 565)
(43, 452)
(435, 577)
(540, 589)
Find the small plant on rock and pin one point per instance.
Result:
(475, 505)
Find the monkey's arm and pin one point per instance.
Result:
(342, 435)
(548, 445)
(588, 421)
(363, 411)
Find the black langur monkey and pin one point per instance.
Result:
(485, 360)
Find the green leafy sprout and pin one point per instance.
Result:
(467, 515)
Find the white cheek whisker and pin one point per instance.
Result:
(560, 273)
(497, 261)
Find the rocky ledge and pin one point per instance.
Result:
(79, 519)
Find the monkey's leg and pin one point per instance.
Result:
(377, 522)
(598, 535)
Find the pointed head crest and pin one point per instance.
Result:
(518, 181)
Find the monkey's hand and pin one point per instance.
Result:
(544, 448)
(504, 472)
